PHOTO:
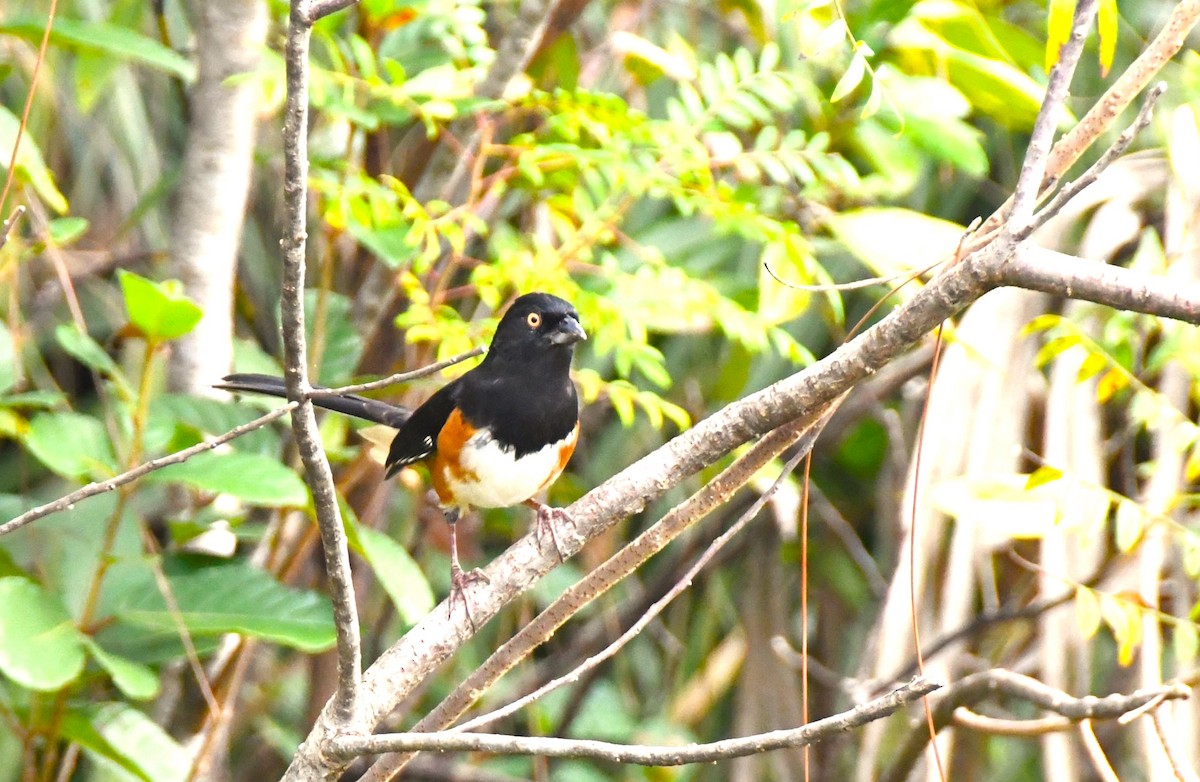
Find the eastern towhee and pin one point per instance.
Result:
(494, 437)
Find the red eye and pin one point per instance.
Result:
(533, 319)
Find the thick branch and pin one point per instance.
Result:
(295, 370)
(1051, 272)
(350, 747)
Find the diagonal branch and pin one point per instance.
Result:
(1033, 169)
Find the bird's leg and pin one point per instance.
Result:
(458, 578)
(546, 519)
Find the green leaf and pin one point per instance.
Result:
(72, 445)
(228, 597)
(66, 230)
(138, 744)
(31, 166)
(77, 728)
(40, 648)
(159, 310)
(399, 574)
(137, 681)
(108, 38)
(255, 479)
(85, 350)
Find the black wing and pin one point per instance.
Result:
(417, 439)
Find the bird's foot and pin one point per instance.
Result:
(547, 518)
(459, 579)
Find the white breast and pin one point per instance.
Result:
(494, 478)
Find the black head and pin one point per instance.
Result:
(536, 327)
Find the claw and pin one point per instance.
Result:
(458, 584)
(547, 517)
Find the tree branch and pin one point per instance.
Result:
(352, 746)
(1038, 269)
(102, 487)
(976, 687)
(1069, 191)
(1033, 169)
(318, 475)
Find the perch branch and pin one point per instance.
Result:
(353, 746)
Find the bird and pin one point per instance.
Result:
(496, 436)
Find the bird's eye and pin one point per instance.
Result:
(534, 320)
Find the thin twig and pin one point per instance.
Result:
(318, 474)
(349, 747)
(33, 80)
(1033, 169)
(1179, 765)
(7, 226)
(1072, 189)
(404, 377)
(976, 687)
(995, 726)
(100, 487)
(316, 10)
(1095, 753)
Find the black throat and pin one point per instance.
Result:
(527, 403)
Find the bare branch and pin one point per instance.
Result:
(1033, 169)
(101, 487)
(976, 687)
(315, 10)
(318, 474)
(1038, 269)
(1110, 155)
(981, 723)
(404, 377)
(1095, 753)
(1104, 112)
(349, 747)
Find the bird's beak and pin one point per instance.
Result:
(567, 332)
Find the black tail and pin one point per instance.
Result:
(348, 404)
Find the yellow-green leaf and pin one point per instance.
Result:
(851, 78)
(1107, 21)
(1184, 643)
(1091, 366)
(1058, 29)
(1128, 525)
(1041, 476)
(1087, 611)
(1110, 383)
